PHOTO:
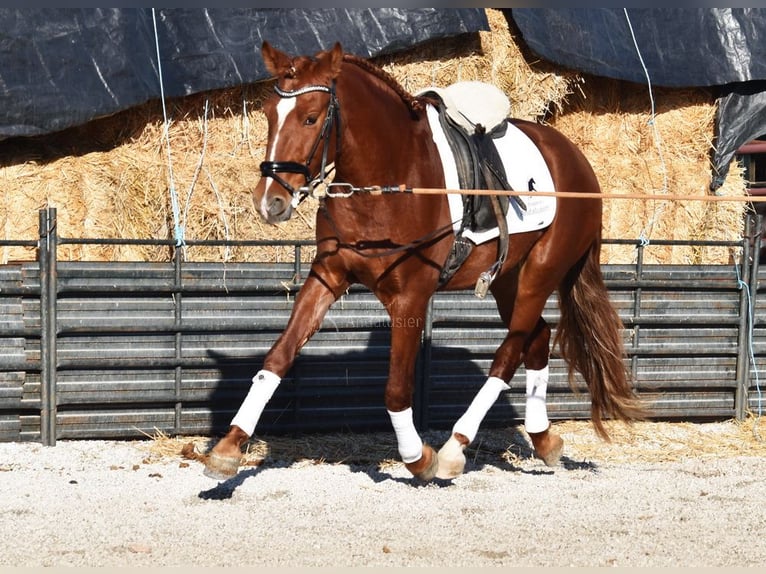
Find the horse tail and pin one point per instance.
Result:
(590, 341)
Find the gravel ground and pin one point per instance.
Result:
(116, 503)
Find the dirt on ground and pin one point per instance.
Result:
(692, 497)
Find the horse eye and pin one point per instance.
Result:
(310, 121)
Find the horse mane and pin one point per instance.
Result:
(414, 103)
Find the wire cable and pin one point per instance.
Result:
(178, 229)
(657, 139)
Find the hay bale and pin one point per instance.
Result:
(111, 177)
(668, 154)
(495, 57)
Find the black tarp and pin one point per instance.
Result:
(62, 67)
(720, 48)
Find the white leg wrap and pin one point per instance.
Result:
(408, 439)
(264, 385)
(468, 424)
(536, 413)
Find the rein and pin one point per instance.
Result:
(360, 246)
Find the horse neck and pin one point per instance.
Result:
(382, 142)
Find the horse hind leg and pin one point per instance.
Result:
(548, 445)
(451, 455)
(527, 340)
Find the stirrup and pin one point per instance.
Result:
(485, 280)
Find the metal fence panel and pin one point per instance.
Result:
(141, 347)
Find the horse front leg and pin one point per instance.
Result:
(311, 304)
(407, 321)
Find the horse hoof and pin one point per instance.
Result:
(426, 467)
(451, 459)
(221, 467)
(548, 446)
(553, 457)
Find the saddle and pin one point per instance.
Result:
(472, 115)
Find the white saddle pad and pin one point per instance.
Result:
(522, 162)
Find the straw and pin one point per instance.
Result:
(108, 178)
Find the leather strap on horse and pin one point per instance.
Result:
(485, 279)
(359, 247)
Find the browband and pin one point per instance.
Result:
(300, 91)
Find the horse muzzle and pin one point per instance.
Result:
(274, 206)
(279, 197)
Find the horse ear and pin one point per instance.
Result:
(276, 62)
(335, 57)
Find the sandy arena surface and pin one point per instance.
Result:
(127, 503)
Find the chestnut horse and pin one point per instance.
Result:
(337, 111)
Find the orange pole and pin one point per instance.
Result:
(583, 195)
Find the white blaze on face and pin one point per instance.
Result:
(284, 107)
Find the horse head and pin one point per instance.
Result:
(303, 134)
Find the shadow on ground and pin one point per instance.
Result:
(374, 454)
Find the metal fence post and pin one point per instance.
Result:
(749, 271)
(48, 289)
(177, 325)
(753, 286)
(423, 377)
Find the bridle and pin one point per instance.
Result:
(326, 172)
(272, 169)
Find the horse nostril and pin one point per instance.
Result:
(277, 206)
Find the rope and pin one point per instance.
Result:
(349, 190)
(197, 169)
(222, 207)
(177, 227)
(643, 236)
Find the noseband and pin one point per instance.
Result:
(272, 169)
